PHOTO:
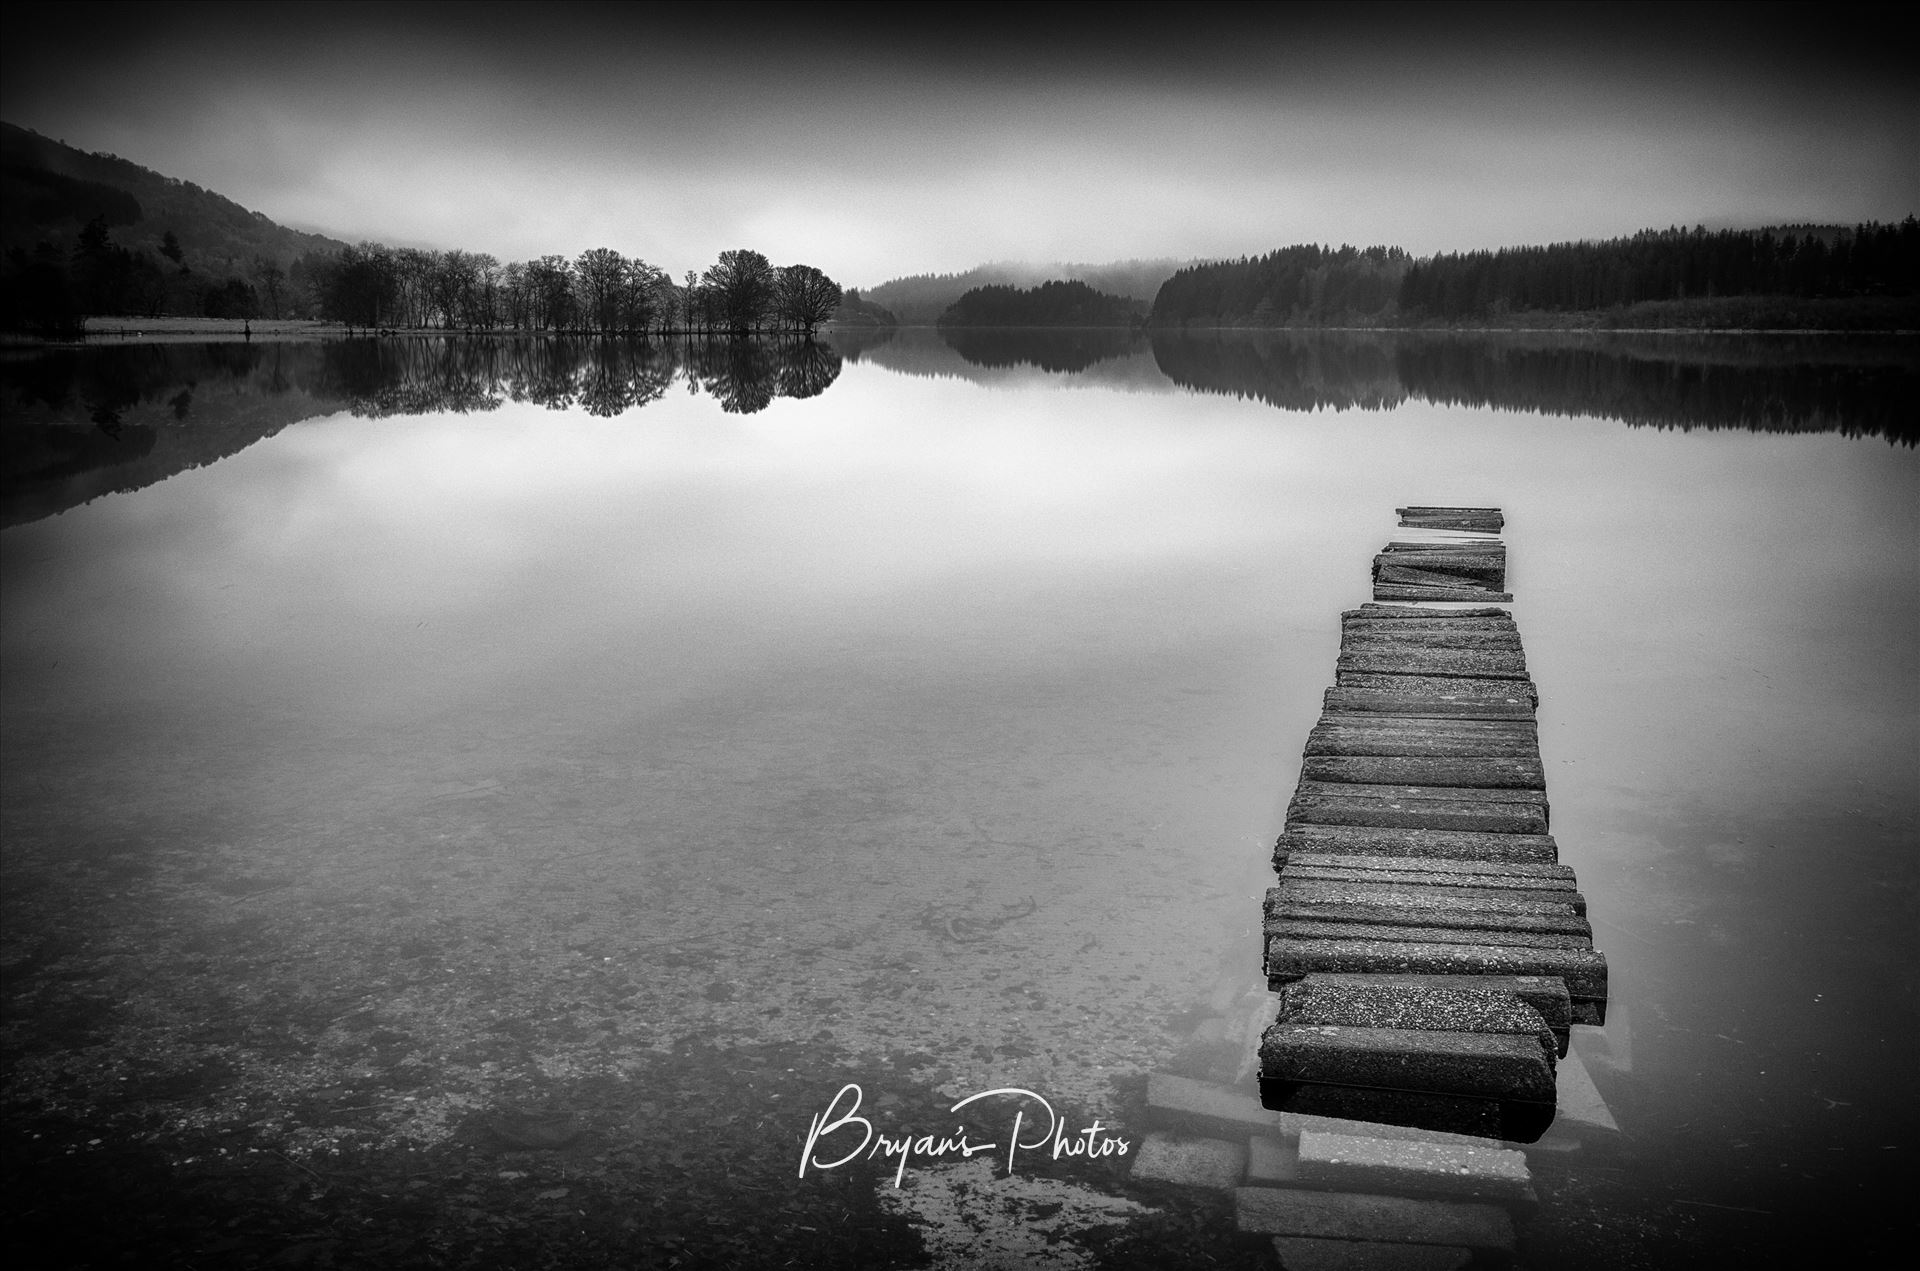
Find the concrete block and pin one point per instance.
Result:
(1191, 1162)
(1304, 1253)
(1182, 1101)
(1581, 1109)
(1385, 1165)
(1478, 1065)
(1276, 1211)
(1272, 1161)
(1372, 1108)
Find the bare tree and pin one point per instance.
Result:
(551, 280)
(600, 274)
(690, 300)
(743, 285)
(453, 280)
(639, 293)
(807, 297)
(483, 294)
(413, 271)
(270, 276)
(515, 309)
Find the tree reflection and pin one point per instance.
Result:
(1050, 349)
(1855, 385)
(81, 422)
(606, 377)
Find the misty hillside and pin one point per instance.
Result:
(920, 299)
(53, 190)
(1051, 304)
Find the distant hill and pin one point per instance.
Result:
(1051, 304)
(53, 190)
(856, 311)
(920, 299)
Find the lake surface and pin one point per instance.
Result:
(416, 748)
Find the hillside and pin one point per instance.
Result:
(53, 190)
(1051, 304)
(920, 299)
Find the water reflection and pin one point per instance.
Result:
(395, 773)
(83, 422)
(89, 421)
(1855, 386)
(1068, 349)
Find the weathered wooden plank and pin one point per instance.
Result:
(1491, 818)
(1475, 887)
(1385, 658)
(1372, 611)
(1367, 1002)
(1410, 742)
(1370, 699)
(1475, 553)
(1464, 884)
(1473, 728)
(1490, 629)
(1442, 871)
(1364, 890)
(1437, 573)
(1417, 807)
(1546, 994)
(1583, 969)
(1477, 1065)
(1402, 635)
(1286, 1211)
(1413, 842)
(1382, 1165)
(1341, 919)
(1493, 933)
(1399, 792)
(1427, 695)
(1448, 545)
(1408, 684)
(1442, 595)
(1486, 771)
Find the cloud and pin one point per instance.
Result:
(879, 147)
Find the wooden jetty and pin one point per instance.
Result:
(1427, 955)
(1429, 950)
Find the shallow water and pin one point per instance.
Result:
(931, 725)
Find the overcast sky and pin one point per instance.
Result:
(874, 151)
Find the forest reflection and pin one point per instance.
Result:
(1854, 385)
(602, 377)
(77, 422)
(110, 384)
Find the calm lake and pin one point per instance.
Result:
(473, 799)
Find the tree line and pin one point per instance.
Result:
(1672, 264)
(600, 291)
(1836, 271)
(1051, 304)
(375, 287)
(1306, 285)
